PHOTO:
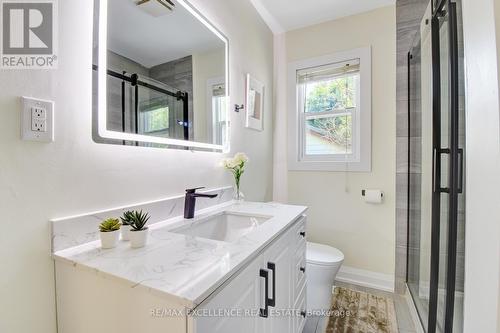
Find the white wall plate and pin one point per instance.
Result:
(37, 120)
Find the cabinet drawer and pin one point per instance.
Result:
(299, 230)
(299, 270)
(299, 319)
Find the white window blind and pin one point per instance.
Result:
(327, 72)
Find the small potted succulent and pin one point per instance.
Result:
(109, 232)
(126, 222)
(138, 232)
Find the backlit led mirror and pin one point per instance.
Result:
(160, 76)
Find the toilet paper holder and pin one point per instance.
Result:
(364, 191)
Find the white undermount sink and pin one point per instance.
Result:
(225, 226)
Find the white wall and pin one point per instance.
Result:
(482, 233)
(365, 233)
(497, 23)
(280, 168)
(206, 66)
(74, 175)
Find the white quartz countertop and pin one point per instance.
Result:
(184, 268)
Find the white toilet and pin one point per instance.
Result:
(323, 264)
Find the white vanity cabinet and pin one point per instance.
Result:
(266, 293)
(282, 267)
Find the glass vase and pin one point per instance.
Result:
(238, 196)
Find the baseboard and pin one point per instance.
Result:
(366, 278)
(413, 312)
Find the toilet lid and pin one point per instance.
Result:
(323, 254)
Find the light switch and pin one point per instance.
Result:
(37, 120)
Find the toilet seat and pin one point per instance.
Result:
(324, 255)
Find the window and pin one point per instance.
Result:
(217, 110)
(330, 112)
(327, 99)
(155, 120)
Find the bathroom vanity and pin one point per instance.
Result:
(233, 268)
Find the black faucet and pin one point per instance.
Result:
(190, 201)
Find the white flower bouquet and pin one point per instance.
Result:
(237, 166)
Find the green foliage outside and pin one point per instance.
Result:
(332, 95)
(157, 119)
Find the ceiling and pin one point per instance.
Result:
(285, 15)
(151, 40)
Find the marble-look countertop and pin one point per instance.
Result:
(184, 268)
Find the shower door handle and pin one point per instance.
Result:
(460, 187)
(436, 185)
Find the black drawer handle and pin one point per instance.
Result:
(272, 266)
(302, 233)
(303, 269)
(264, 311)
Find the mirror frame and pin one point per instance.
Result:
(101, 9)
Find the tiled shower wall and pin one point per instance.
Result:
(408, 16)
(179, 75)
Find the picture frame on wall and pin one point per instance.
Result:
(254, 102)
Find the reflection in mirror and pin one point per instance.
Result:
(255, 103)
(164, 78)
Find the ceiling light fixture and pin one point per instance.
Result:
(152, 6)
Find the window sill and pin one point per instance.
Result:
(363, 166)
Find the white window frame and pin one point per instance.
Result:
(211, 126)
(360, 159)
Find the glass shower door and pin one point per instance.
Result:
(441, 165)
(420, 172)
(446, 291)
(436, 196)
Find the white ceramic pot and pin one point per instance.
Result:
(109, 239)
(125, 229)
(138, 238)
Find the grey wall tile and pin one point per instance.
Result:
(400, 287)
(408, 17)
(402, 155)
(402, 191)
(400, 269)
(401, 226)
(460, 272)
(402, 118)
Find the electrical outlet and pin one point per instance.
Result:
(38, 112)
(38, 125)
(37, 120)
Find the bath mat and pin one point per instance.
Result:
(360, 312)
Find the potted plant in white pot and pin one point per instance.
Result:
(139, 232)
(126, 224)
(109, 232)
